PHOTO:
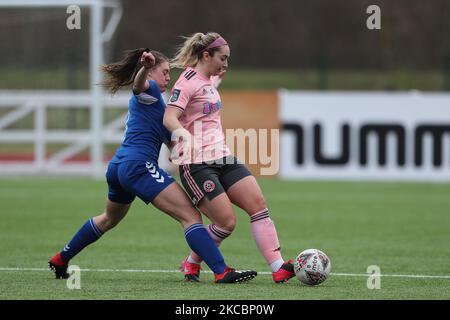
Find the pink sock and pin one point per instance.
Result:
(265, 235)
(218, 235)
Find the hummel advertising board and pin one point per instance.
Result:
(365, 136)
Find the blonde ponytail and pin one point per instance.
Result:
(190, 52)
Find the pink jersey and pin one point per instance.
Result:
(200, 102)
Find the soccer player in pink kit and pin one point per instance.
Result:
(213, 178)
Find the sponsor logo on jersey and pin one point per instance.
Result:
(209, 107)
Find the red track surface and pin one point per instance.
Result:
(29, 157)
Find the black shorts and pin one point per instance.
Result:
(211, 179)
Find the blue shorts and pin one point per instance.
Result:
(129, 179)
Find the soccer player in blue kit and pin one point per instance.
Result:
(134, 170)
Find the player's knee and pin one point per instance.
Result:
(111, 223)
(229, 224)
(187, 217)
(188, 221)
(258, 203)
(108, 222)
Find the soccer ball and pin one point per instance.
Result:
(312, 267)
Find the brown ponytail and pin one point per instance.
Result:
(122, 73)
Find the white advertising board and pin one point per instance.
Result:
(365, 136)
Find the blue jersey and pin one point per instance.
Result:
(144, 130)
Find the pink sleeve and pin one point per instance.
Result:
(180, 95)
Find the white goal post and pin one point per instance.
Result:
(96, 57)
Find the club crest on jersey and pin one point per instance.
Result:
(175, 95)
(209, 186)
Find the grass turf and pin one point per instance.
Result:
(401, 227)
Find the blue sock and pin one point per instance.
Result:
(87, 234)
(201, 242)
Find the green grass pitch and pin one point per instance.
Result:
(404, 228)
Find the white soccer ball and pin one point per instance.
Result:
(312, 267)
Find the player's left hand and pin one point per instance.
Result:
(148, 60)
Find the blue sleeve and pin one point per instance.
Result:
(153, 89)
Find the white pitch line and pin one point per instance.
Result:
(259, 272)
(389, 275)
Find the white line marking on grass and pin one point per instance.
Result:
(259, 272)
(390, 275)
